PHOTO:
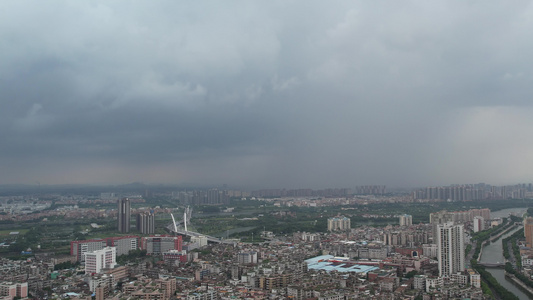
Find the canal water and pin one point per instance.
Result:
(494, 253)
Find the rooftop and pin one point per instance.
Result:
(340, 264)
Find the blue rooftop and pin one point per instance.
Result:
(330, 263)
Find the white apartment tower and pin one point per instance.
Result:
(406, 220)
(451, 249)
(97, 260)
(338, 223)
(247, 257)
(479, 224)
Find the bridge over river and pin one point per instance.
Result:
(211, 239)
(173, 227)
(492, 265)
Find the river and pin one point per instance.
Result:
(494, 253)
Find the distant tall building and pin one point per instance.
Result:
(146, 223)
(451, 249)
(124, 215)
(528, 231)
(406, 220)
(338, 223)
(479, 223)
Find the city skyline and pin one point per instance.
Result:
(266, 95)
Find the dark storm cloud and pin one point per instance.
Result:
(286, 94)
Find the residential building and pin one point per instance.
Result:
(406, 220)
(338, 223)
(475, 278)
(247, 258)
(146, 223)
(419, 282)
(100, 281)
(433, 283)
(430, 250)
(10, 290)
(479, 224)
(451, 249)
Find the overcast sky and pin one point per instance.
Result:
(266, 94)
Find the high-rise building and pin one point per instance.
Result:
(146, 223)
(338, 223)
(528, 231)
(451, 249)
(479, 224)
(247, 257)
(124, 215)
(97, 260)
(406, 220)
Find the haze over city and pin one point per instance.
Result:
(266, 94)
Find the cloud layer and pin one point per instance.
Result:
(273, 94)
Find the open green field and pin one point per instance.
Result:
(6, 232)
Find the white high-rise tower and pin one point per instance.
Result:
(451, 249)
(406, 220)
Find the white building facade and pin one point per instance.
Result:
(338, 223)
(451, 249)
(97, 260)
(406, 220)
(479, 224)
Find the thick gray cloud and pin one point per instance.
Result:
(266, 94)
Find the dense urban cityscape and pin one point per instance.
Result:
(317, 150)
(216, 243)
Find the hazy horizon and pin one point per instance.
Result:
(266, 94)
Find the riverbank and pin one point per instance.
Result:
(493, 239)
(492, 252)
(526, 289)
(502, 233)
